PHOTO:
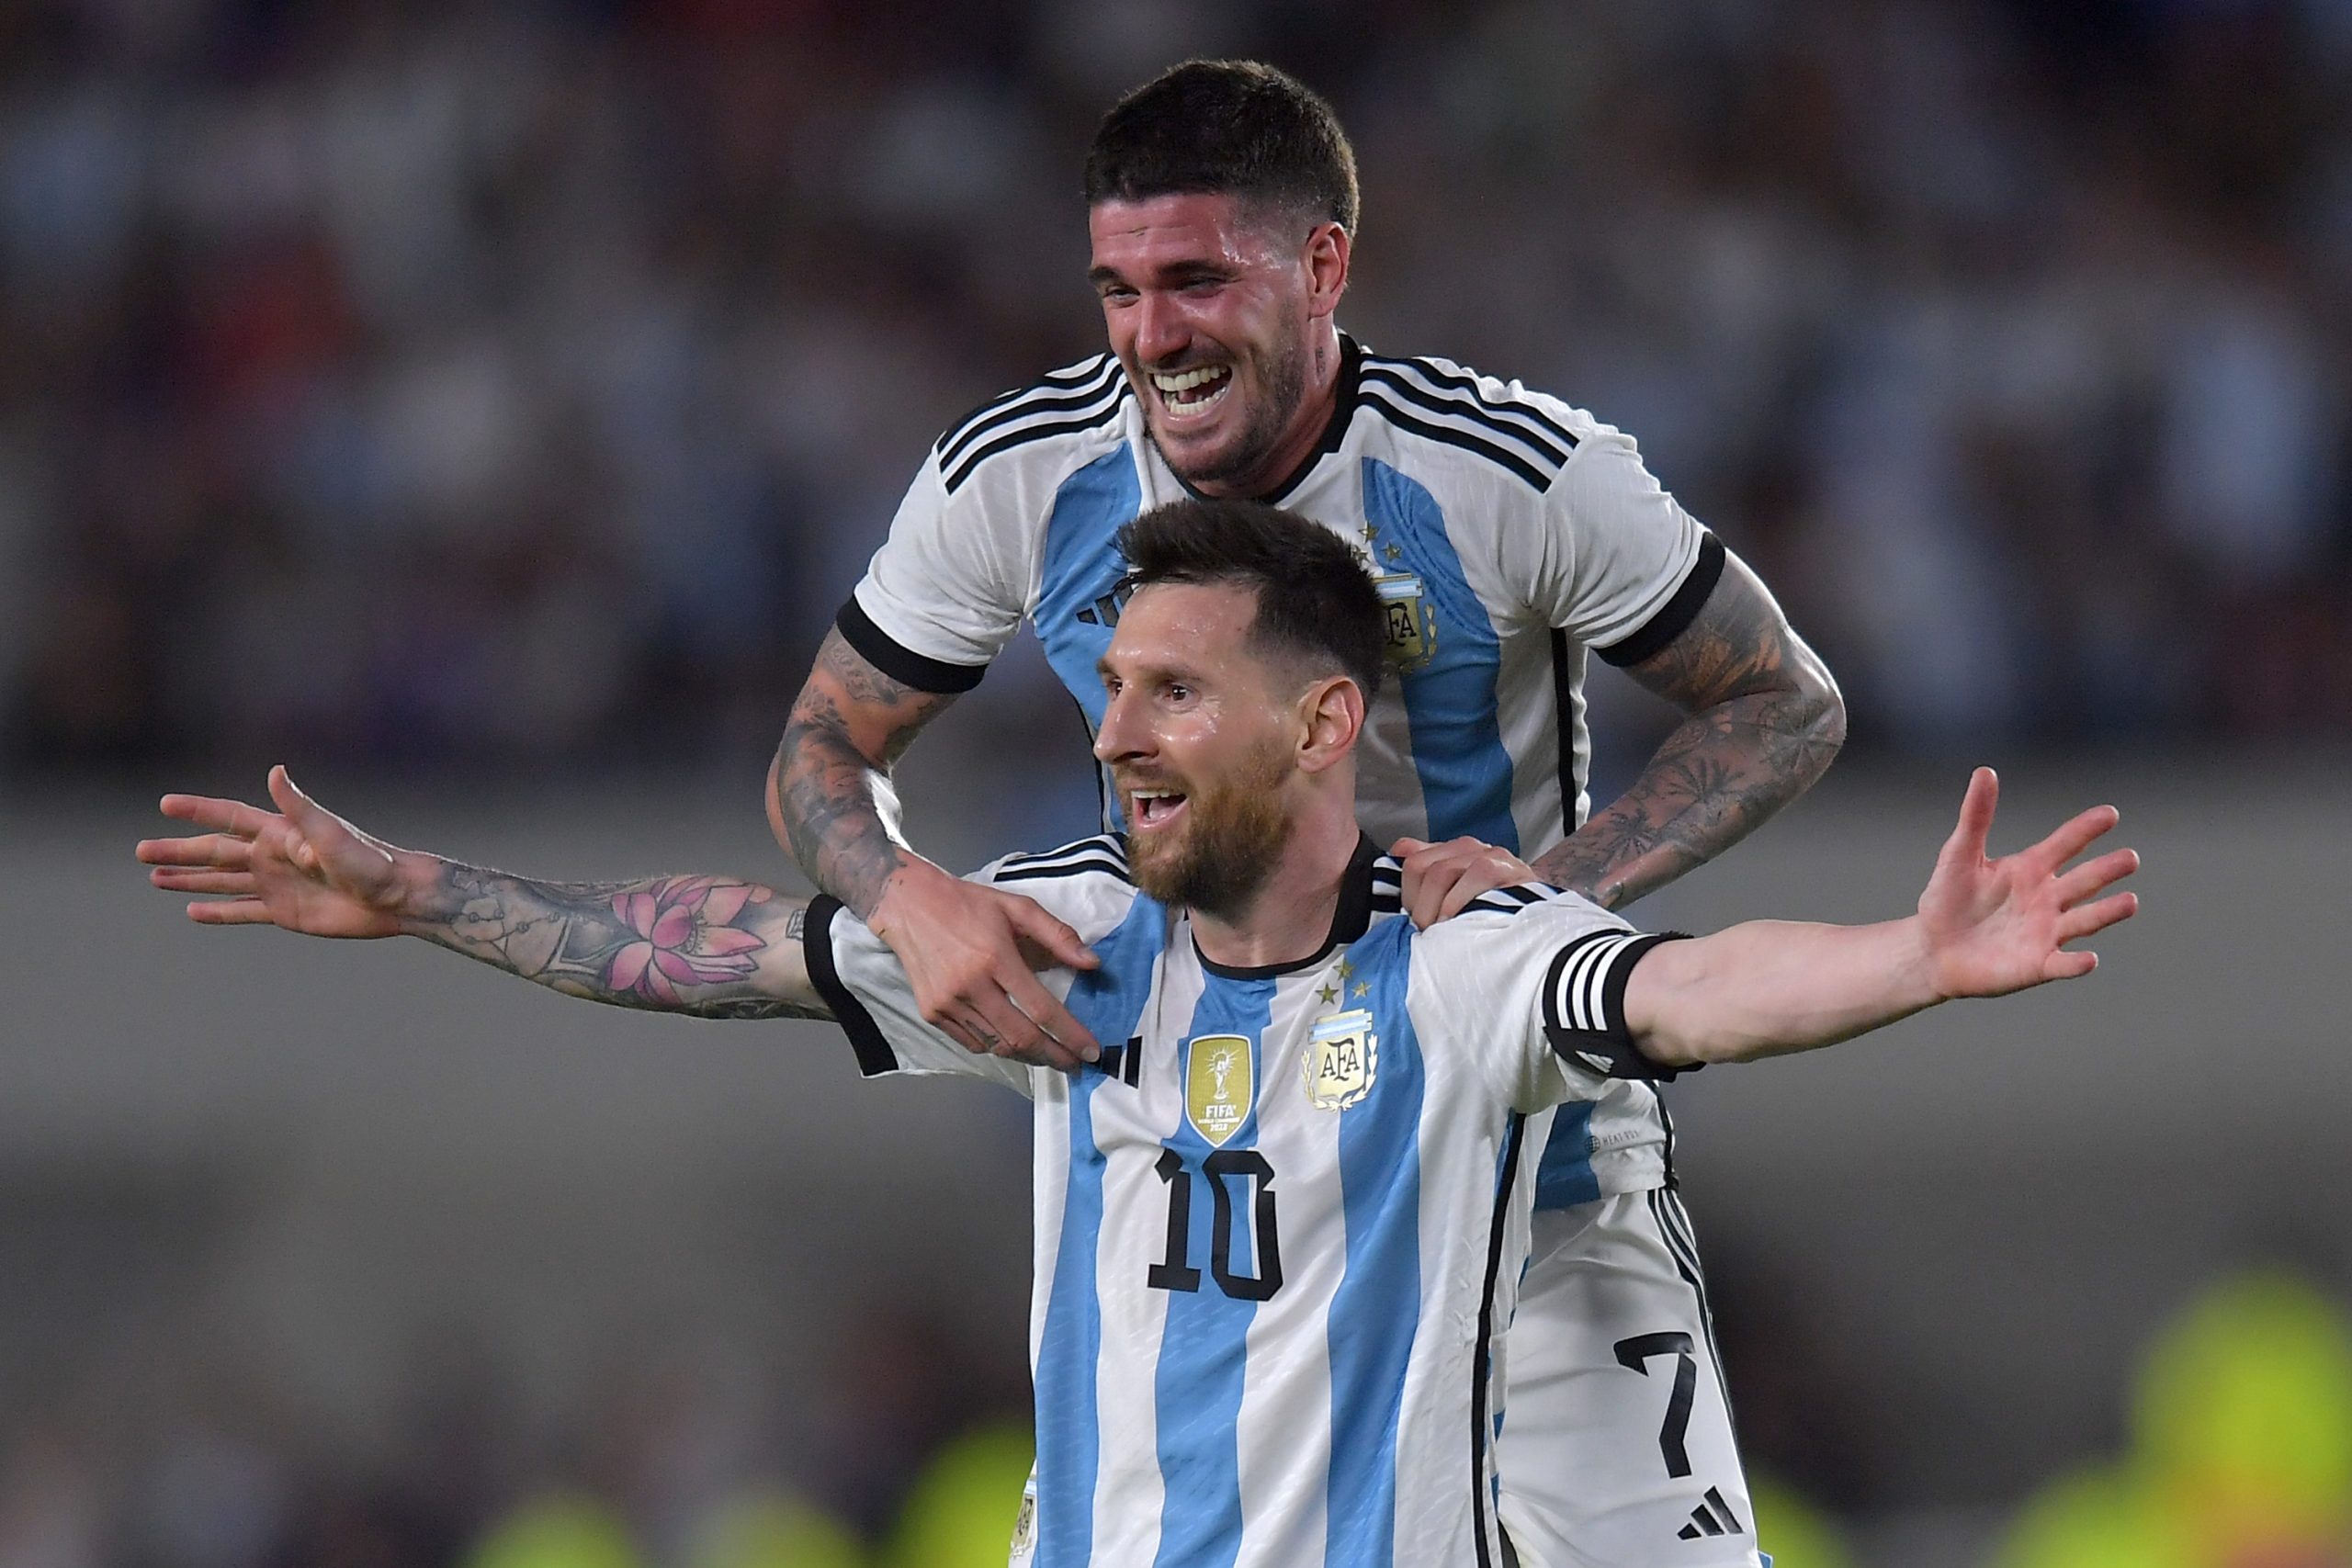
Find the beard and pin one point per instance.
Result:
(1226, 851)
(1283, 380)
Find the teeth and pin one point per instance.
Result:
(1187, 380)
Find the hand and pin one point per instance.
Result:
(1440, 878)
(307, 871)
(1996, 926)
(969, 952)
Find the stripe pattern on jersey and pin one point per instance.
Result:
(1085, 395)
(1423, 397)
(1104, 853)
(1584, 1003)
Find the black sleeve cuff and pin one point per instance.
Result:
(1675, 616)
(1584, 1005)
(901, 663)
(874, 1053)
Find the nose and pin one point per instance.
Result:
(1120, 735)
(1161, 330)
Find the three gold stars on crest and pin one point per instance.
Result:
(1330, 994)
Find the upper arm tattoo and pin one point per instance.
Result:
(833, 771)
(1762, 719)
(685, 944)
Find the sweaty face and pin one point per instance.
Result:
(1195, 729)
(1205, 303)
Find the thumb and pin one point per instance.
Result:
(1403, 847)
(1053, 936)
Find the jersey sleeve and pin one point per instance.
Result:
(947, 589)
(867, 987)
(1624, 569)
(1541, 993)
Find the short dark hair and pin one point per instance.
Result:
(1233, 127)
(1315, 603)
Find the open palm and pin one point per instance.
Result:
(307, 870)
(1996, 926)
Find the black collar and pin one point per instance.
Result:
(1349, 921)
(1335, 430)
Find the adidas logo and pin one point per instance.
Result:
(1711, 1516)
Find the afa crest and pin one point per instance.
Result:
(1342, 1058)
(1412, 626)
(1220, 1085)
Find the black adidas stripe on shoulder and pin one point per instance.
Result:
(1463, 434)
(1102, 853)
(1049, 411)
(1086, 373)
(1515, 407)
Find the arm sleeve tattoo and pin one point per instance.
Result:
(833, 792)
(1762, 720)
(704, 946)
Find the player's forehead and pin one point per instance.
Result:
(1182, 628)
(1137, 238)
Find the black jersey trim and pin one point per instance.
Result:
(1079, 375)
(1099, 844)
(1099, 411)
(1682, 1244)
(1102, 863)
(1531, 443)
(1499, 403)
(899, 661)
(1451, 437)
(1048, 397)
(1677, 613)
(874, 1056)
(1583, 1004)
(1564, 720)
(1482, 1365)
(1349, 921)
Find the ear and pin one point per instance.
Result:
(1328, 252)
(1332, 709)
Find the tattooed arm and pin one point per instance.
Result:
(1763, 718)
(830, 803)
(700, 945)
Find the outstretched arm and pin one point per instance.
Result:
(1762, 720)
(1984, 928)
(829, 801)
(705, 946)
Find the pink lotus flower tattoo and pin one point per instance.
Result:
(684, 937)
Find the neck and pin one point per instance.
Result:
(1289, 917)
(1324, 361)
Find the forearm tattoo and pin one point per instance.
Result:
(1764, 720)
(684, 945)
(832, 792)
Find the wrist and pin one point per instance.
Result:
(1917, 966)
(888, 909)
(426, 896)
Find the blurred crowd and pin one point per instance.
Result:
(458, 382)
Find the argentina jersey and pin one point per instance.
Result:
(1279, 1229)
(1509, 532)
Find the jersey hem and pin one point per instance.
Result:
(874, 1056)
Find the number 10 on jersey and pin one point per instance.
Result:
(1224, 1170)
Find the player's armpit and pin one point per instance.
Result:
(1763, 720)
(828, 791)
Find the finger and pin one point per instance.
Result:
(2068, 965)
(230, 912)
(306, 814)
(1405, 848)
(202, 849)
(184, 879)
(1040, 1007)
(1975, 826)
(1035, 922)
(212, 811)
(1012, 1034)
(2075, 924)
(2074, 836)
(1477, 879)
(1425, 895)
(2095, 876)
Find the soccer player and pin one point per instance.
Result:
(1510, 535)
(1279, 1225)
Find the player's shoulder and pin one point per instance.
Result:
(1086, 883)
(1078, 403)
(1502, 424)
(1103, 855)
(1500, 927)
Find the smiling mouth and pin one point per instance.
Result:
(1189, 394)
(1153, 808)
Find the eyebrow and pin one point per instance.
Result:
(1174, 275)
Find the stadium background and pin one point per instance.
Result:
(482, 408)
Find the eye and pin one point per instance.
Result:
(1177, 692)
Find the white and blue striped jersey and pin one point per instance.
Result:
(1279, 1229)
(1509, 531)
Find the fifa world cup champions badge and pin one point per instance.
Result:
(1341, 1060)
(1220, 1085)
